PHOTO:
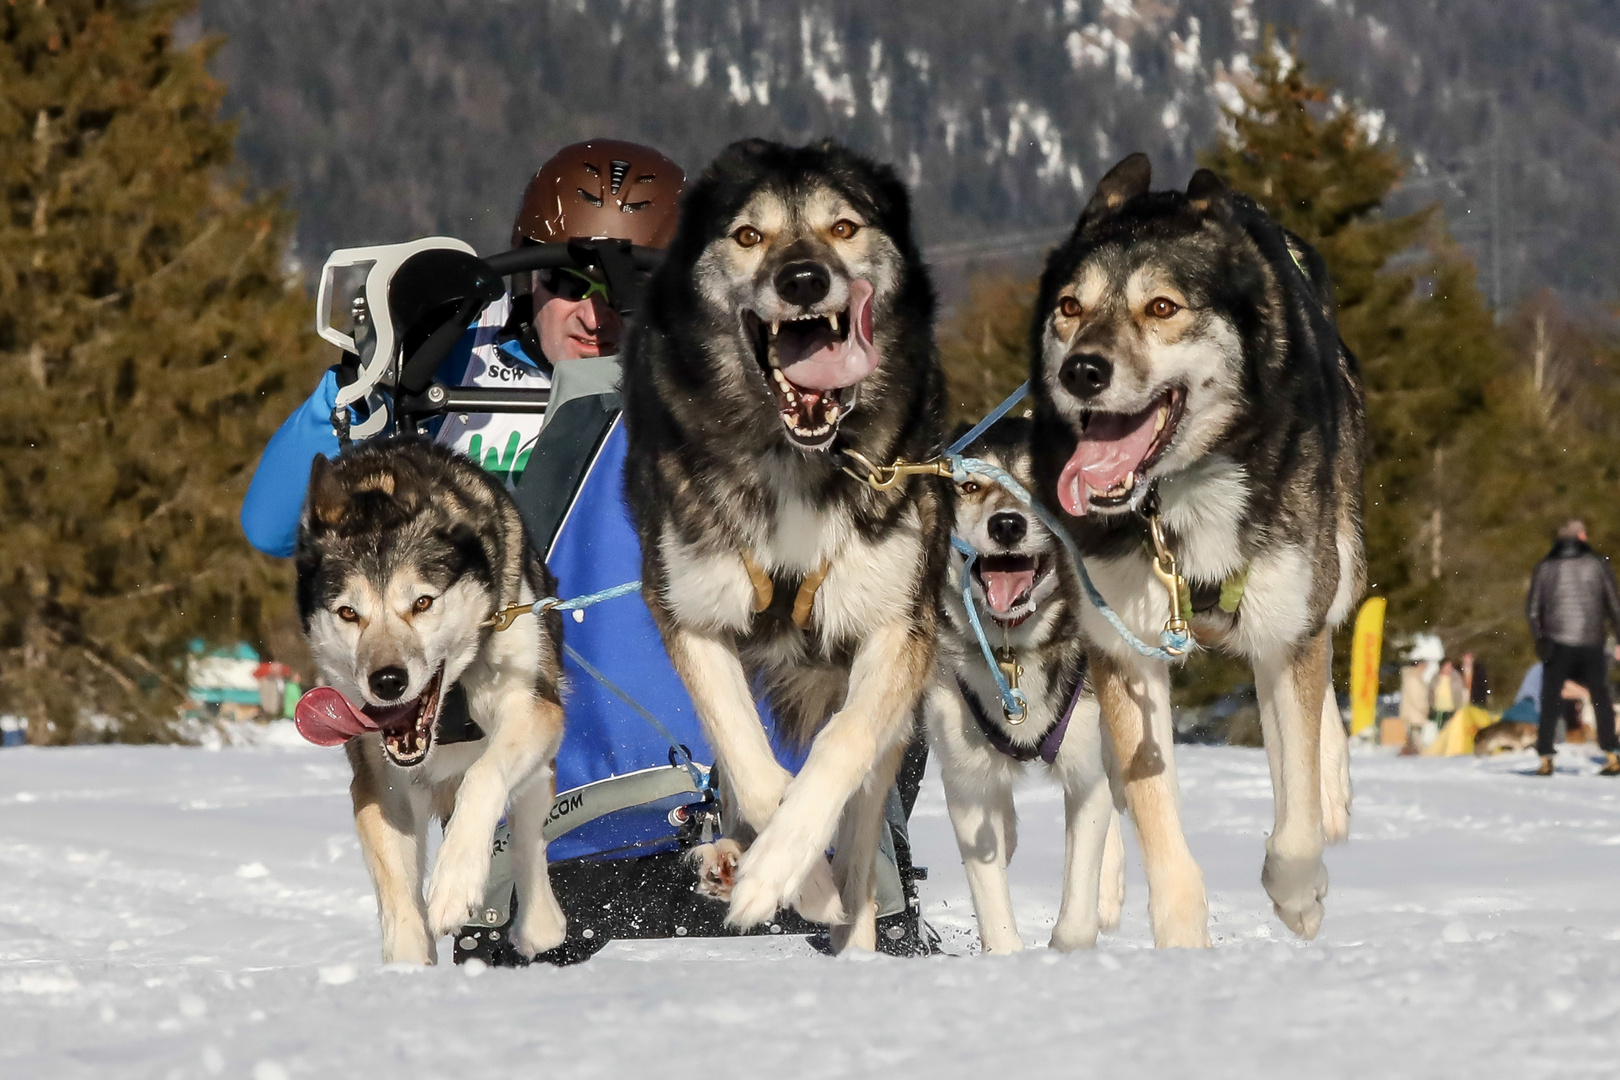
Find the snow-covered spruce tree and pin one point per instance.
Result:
(149, 342)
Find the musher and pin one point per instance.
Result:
(560, 329)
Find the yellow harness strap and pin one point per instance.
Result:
(804, 599)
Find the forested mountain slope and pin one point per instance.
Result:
(386, 119)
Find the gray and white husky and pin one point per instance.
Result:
(791, 325)
(1186, 362)
(1026, 590)
(405, 552)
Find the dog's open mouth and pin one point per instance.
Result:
(1115, 452)
(407, 728)
(814, 364)
(1009, 583)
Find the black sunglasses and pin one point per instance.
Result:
(566, 283)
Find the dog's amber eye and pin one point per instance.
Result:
(844, 228)
(1069, 307)
(1161, 307)
(969, 487)
(747, 236)
(348, 614)
(423, 603)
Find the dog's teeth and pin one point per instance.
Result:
(1160, 419)
(1130, 481)
(776, 327)
(832, 317)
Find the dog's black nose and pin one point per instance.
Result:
(1006, 528)
(389, 683)
(1085, 374)
(803, 283)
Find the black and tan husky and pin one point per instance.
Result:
(405, 552)
(791, 324)
(1186, 364)
(1029, 602)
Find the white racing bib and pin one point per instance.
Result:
(499, 442)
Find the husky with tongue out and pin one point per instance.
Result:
(405, 551)
(1029, 603)
(791, 325)
(1186, 364)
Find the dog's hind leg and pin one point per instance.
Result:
(754, 781)
(1111, 882)
(541, 923)
(1088, 805)
(391, 820)
(1290, 687)
(855, 856)
(1135, 704)
(978, 798)
(886, 678)
(522, 741)
(1336, 792)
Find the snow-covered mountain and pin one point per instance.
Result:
(391, 118)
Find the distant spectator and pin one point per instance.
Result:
(1447, 695)
(1476, 679)
(1573, 602)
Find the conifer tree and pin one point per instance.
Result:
(150, 340)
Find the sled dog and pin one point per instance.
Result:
(1186, 363)
(790, 325)
(1029, 604)
(1504, 737)
(405, 552)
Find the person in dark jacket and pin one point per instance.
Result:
(1572, 604)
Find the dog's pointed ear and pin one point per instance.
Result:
(1205, 189)
(328, 499)
(1122, 183)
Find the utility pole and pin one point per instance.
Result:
(1436, 520)
(1496, 210)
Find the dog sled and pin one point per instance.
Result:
(636, 787)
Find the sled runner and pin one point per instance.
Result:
(635, 787)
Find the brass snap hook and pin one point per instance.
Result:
(1169, 574)
(884, 477)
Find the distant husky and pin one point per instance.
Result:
(1186, 360)
(790, 324)
(1503, 737)
(1030, 600)
(405, 551)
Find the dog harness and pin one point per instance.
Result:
(1047, 746)
(770, 594)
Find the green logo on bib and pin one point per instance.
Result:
(508, 466)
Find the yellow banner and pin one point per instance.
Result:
(1366, 649)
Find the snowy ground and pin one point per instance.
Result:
(171, 912)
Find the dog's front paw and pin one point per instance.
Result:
(541, 926)
(770, 875)
(818, 898)
(1297, 888)
(716, 866)
(457, 886)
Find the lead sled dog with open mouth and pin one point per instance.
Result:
(789, 326)
(1189, 380)
(405, 552)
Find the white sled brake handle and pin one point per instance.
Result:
(384, 259)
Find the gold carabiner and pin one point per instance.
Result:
(884, 477)
(507, 616)
(1168, 573)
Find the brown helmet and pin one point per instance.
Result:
(603, 187)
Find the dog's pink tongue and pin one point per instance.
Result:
(326, 718)
(1002, 588)
(842, 363)
(1109, 451)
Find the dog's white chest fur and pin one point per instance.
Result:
(867, 582)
